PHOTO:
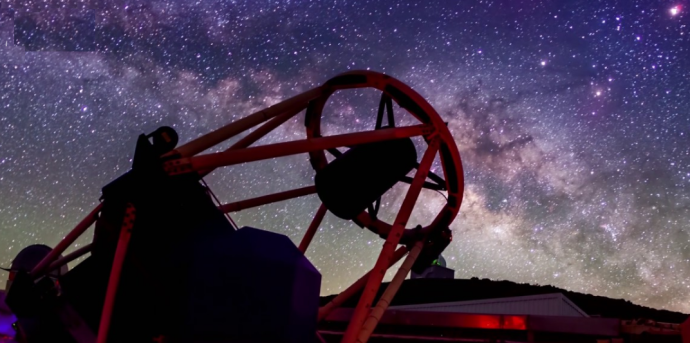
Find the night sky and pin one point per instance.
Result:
(572, 119)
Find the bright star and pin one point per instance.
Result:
(675, 10)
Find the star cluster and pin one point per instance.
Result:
(572, 119)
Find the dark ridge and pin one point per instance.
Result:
(421, 291)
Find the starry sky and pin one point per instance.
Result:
(572, 119)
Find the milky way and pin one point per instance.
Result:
(572, 119)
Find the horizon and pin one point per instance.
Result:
(571, 120)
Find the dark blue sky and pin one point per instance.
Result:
(572, 118)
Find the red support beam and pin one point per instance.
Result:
(70, 257)
(376, 277)
(263, 130)
(267, 199)
(228, 131)
(259, 133)
(341, 298)
(226, 158)
(311, 231)
(78, 230)
(320, 338)
(387, 296)
(114, 280)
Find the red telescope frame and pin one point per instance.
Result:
(431, 127)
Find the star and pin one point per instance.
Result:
(591, 150)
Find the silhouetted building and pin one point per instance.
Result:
(555, 304)
(435, 310)
(437, 270)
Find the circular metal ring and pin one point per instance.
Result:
(416, 105)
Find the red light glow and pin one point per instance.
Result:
(504, 322)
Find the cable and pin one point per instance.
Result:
(443, 195)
